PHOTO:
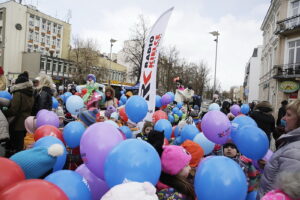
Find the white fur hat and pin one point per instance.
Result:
(131, 191)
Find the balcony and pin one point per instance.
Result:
(288, 26)
(286, 71)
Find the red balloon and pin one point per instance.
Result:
(123, 115)
(33, 189)
(173, 132)
(157, 115)
(166, 142)
(163, 107)
(199, 126)
(47, 130)
(10, 173)
(84, 91)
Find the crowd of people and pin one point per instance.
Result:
(28, 107)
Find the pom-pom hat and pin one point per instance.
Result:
(37, 161)
(174, 159)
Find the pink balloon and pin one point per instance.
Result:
(96, 143)
(30, 124)
(97, 186)
(216, 126)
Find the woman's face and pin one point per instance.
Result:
(185, 171)
(291, 120)
(148, 129)
(108, 93)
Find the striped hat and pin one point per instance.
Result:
(88, 117)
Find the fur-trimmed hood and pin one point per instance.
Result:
(112, 90)
(26, 88)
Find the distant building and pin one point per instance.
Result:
(25, 30)
(280, 62)
(251, 81)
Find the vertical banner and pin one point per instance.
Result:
(147, 88)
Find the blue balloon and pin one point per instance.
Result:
(175, 110)
(244, 121)
(171, 118)
(126, 130)
(133, 160)
(213, 106)
(178, 140)
(5, 95)
(177, 131)
(179, 113)
(158, 103)
(123, 99)
(252, 195)
(205, 143)
(74, 104)
(121, 103)
(72, 134)
(179, 105)
(172, 95)
(47, 141)
(122, 92)
(252, 142)
(245, 108)
(227, 184)
(188, 132)
(72, 183)
(63, 97)
(164, 125)
(54, 103)
(67, 95)
(136, 108)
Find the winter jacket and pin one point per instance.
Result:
(42, 100)
(4, 134)
(286, 158)
(179, 95)
(264, 121)
(21, 104)
(281, 113)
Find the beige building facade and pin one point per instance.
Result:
(280, 61)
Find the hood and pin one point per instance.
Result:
(291, 136)
(26, 88)
(109, 88)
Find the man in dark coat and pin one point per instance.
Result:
(19, 109)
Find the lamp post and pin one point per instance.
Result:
(112, 41)
(215, 33)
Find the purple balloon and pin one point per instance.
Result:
(235, 109)
(166, 99)
(265, 158)
(47, 118)
(42, 112)
(97, 186)
(216, 126)
(96, 143)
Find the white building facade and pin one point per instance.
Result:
(251, 82)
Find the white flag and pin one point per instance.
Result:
(150, 58)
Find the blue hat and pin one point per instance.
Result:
(88, 117)
(37, 161)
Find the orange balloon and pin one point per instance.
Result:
(33, 189)
(48, 130)
(10, 173)
(157, 115)
(123, 115)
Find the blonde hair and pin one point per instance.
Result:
(294, 106)
(45, 81)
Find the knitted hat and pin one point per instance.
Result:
(37, 161)
(88, 117)
(195, 150)
(109, 111)
(174, 159)
(132, 191)
(276, 195)
(92, 77)
(22, 78)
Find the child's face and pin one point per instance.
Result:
(230, 152)
(148, 129)
(185, 171)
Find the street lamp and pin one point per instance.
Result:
(112, 41)
(215, 33)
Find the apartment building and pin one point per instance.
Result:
(280, 62)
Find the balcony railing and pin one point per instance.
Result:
(286, 71)
(288, 25)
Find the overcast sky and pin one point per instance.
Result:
(238, 22)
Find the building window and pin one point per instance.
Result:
(1, 15)
(54, 66)
(48, 40)
(53, 41)
(29, 48)
(59, 29)
(49, 26)
(44, 24)
(43, 39)
(35, 48)
(36, 38)
(37, 21)
(58, 42)
(57, 52)
(42, 49)
(54, 28)
(30, 35)
(42, 66)
(0, 30)
(59, 67)
(295, 8)
(294, 52)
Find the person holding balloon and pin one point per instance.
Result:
(43, 95)
(230, 150)
(147, 128)
(287, 157)
(175, 170)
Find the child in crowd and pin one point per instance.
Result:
(230, 150)
(148, 126)
(175, 170)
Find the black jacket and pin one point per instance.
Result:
(281, 113)
(264, 121)
(42, 100)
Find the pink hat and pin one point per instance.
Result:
(276, 195)
(174, 159)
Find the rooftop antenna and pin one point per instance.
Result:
(69, 15)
